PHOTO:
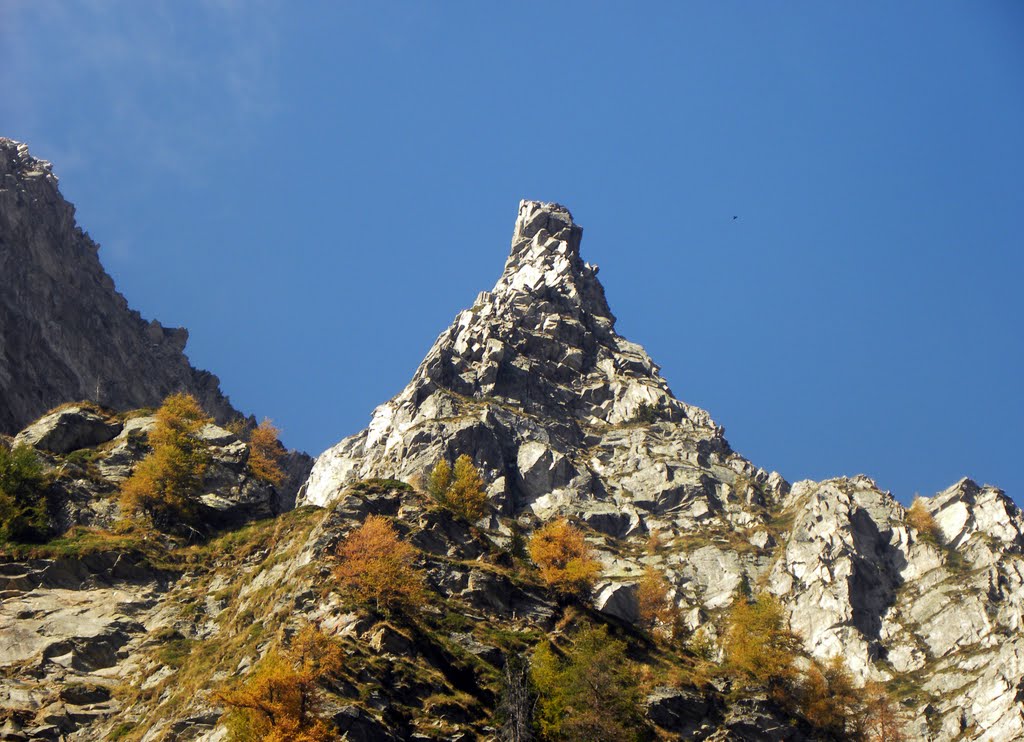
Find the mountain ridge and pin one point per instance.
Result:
(106, 634)
(567, 418)
(57, 301)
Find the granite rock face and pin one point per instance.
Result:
(565, 417)
(561, 413)
(66, 334)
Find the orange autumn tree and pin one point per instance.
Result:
(829, 698)
(280, 701)
(378, 569)
(883, 719)
(265, 453)
(166, 485)
(923, 522)
(760, 649)
(654, 606)
(564, 558)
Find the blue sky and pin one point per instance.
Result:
(315, 189)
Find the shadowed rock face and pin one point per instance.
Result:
(66, 334)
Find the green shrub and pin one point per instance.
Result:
(592, 693)
(646, 414)
(24, 515)
(461, 492)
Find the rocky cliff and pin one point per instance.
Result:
(108, 636)
(566, 417)
(66, 334)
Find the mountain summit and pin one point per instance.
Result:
(560, 411)
(567, 418)
(695, 560)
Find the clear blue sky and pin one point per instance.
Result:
(315, 189)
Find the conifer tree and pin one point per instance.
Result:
(655, 607)
(590, 693)
(281, 699)
(165, 486)
(829, 699)
(923, 522)
(23, 512)
(265, 451)
(760, 649)
(460, 492)
(564, 558)
(378, 569)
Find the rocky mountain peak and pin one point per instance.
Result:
(545, 259)
(564, 417)
(967, 508)
(544, 337)
(534, 382)
(16, 161)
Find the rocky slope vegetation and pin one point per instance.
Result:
(565, 417)
(109, 631)
(66, 334)
(74, 606)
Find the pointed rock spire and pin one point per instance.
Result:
(560, 412)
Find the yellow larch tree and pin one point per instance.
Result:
(378, 569)
(564, 558)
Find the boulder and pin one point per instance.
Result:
(617, 600)
(69, 429)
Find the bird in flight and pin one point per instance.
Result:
(735, 218)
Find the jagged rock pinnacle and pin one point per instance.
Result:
(545, 256)
(535, 384)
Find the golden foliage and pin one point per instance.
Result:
(440, 480)
(592, 693)
(564, 558)
(760, 649)
(460, 492)
(265, 453)
(883, 719)
(165, 485)
(828, 698)
(655, 607)
(377, 569)
(281, 698)
(238, 427)
(922, 521)
(654, 541)
(705, 653)
(467, 496)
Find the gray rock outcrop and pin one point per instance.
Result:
(561, 413)
(70, 428)
(565, 417)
